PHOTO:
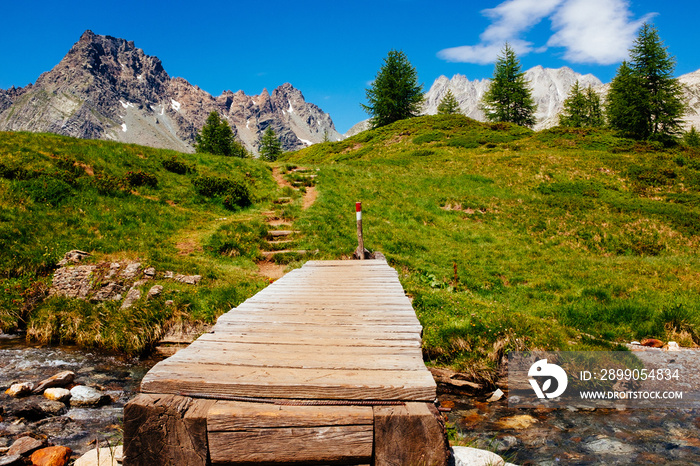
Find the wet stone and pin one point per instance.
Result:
(20, 389)
(13, 460)
(25, 445)
(59, 380)
(83, 396)
(51, 456)
(57, 394)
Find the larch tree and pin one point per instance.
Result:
(582, 109)
(395, 93)
(645, 101)
(216, 137)
(448, 105)
(270, 146)
(509, 98)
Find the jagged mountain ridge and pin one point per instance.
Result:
(107, 88)
(550, 87)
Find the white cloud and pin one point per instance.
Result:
(590, 31)
(595, 31)
(484, 53)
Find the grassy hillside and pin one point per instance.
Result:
(508, 239)
(121, 202)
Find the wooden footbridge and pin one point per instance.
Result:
(324, 366)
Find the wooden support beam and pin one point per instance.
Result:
(248, 433)
(410, 434)
(165, 430)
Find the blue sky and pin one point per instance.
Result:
(332, 50)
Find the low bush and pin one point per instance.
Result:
(141, 178)
(174, 165)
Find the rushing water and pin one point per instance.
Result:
(78, 428)
(522, 436)
(577, 437)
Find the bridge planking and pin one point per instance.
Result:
(332, 330)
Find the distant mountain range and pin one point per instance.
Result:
(550, 87)
(106, 88)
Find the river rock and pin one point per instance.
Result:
(20, 389)
(25, 445)
(14, 460)
(59, 380)
(51, 456)
(609, 446)
(52, 408)
(108, 457)
(467, 456)
(652, 343)
(57, 394)
(517, 422)
(82, 396)
(28, 409)
(495, 396)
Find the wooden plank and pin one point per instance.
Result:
(409, 434)
(316, 445)
(177, 378)
(299, 338)
(413, 330)
(273, 357)
(228, 416)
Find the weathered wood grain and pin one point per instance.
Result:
(165, 430)
(227, 416)
(409, 434)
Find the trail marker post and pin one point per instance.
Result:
(360, 240)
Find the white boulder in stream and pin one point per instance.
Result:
(83, 396)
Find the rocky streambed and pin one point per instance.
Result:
(91, 411)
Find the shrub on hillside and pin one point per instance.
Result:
(141, 178)
(236, 193)
(175, 166)
(108, 185)
(237, 196)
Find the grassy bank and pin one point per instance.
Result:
(508, 239)
(171, 211)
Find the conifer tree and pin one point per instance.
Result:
(509, 98)
(395, 93)
(582, 109)
(270, 146)
(645, 100)
(448, 105)
(216, 137)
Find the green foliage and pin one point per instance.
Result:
(582, 109)
(509, 98)
(217, 138)
(645, 100)
(691, 138)
(235, 193)
(140, 178)
(46, 190)
(270, 146)
(448, 105)
(395, 93)
(174, 165)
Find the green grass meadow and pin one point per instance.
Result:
(507, 239)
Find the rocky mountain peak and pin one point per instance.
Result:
(108, 88)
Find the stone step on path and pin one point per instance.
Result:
(281, 233)
(283, 252)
